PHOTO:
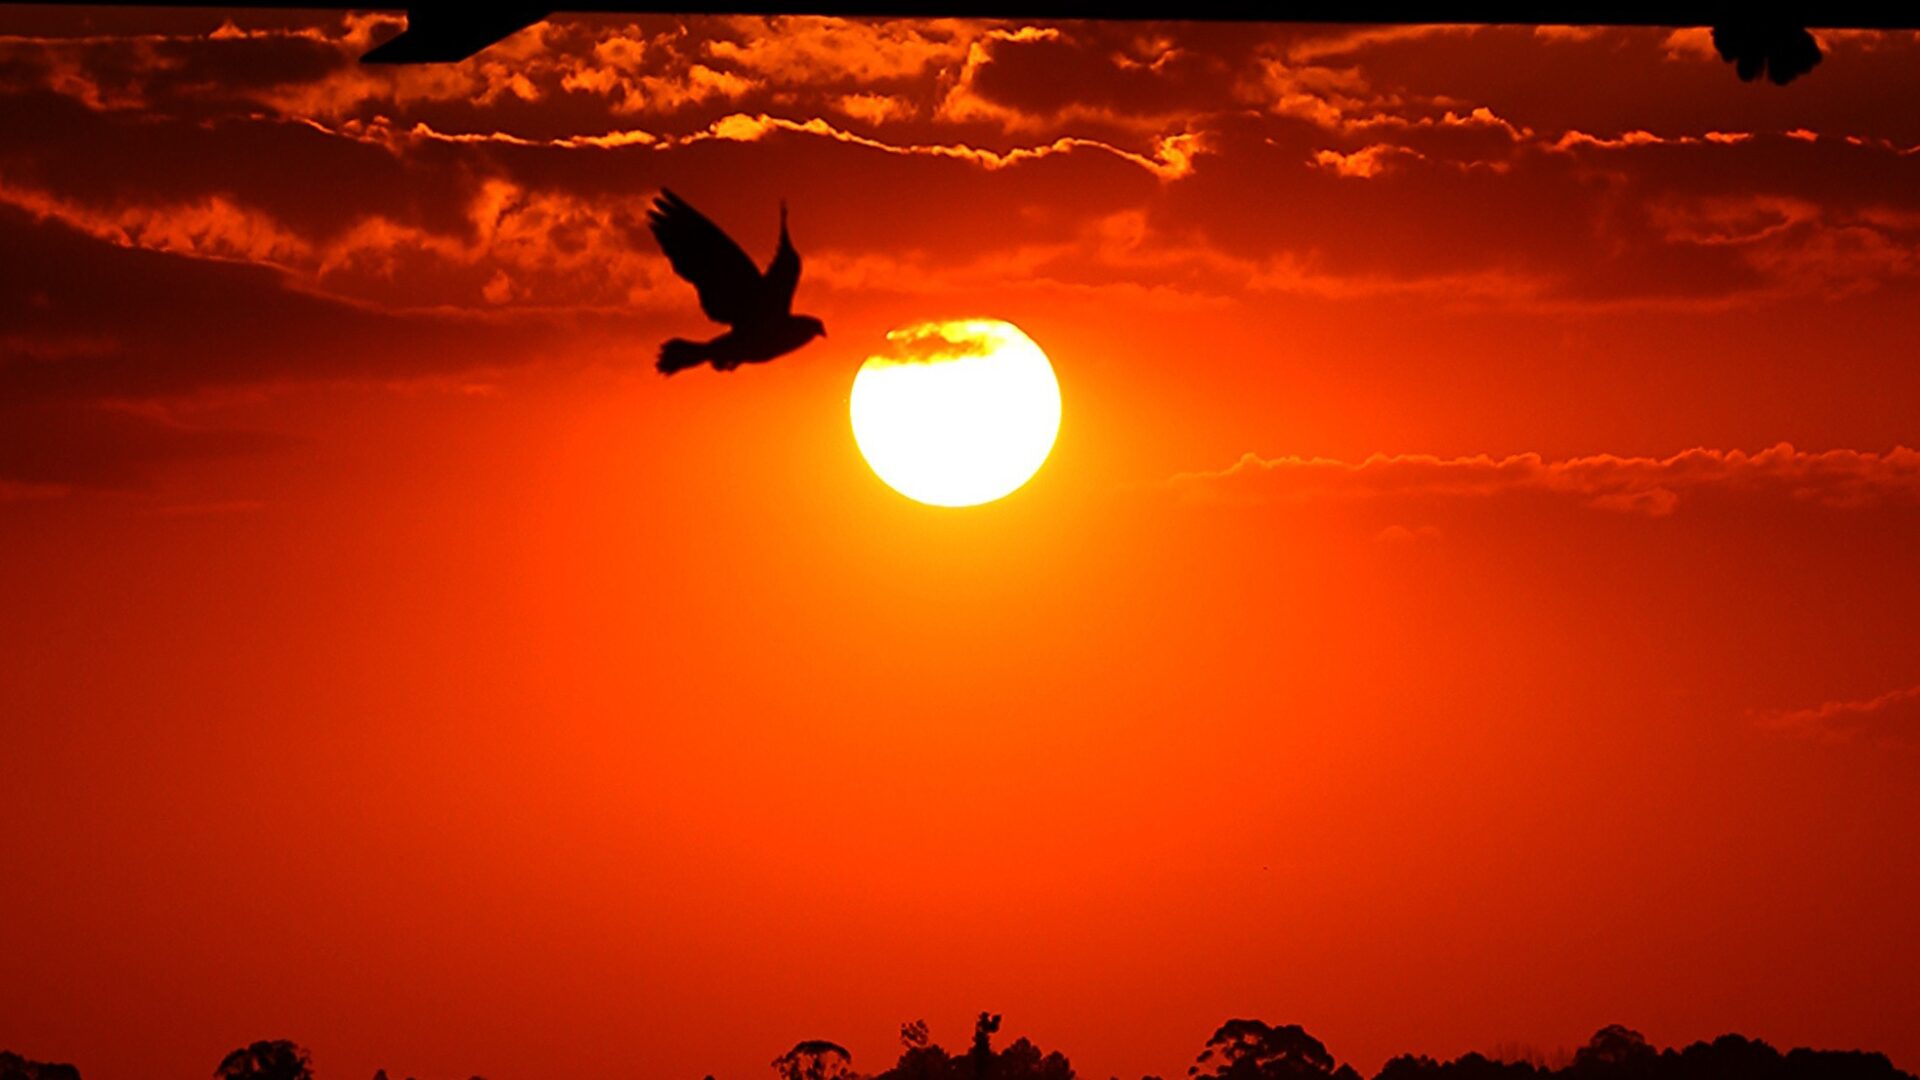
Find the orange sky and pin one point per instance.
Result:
(390, 660)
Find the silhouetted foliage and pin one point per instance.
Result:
(981, 1052)
(920, 1059)
(15, 1067)
(1238, 1050)
(1620, 1053)
(1841, 1065)
(1253, 1050)
(276, 1059)
(815, 1059)
(1615, 1051)
(1469, 1067)
(1024, 1061)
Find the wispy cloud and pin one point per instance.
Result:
(1643, 485)
(1170, 158)
(1843, 719)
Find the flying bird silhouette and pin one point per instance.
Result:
(758, 307)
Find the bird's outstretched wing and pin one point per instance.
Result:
(730, 286)
(783, 273)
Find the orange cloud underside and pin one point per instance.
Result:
(1469, 602)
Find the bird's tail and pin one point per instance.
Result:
(679, 354)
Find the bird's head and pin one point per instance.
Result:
(814, 327)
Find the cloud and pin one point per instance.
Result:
(1724, 220)
(295, 70)
(1170, 159)
(641, 75)
(1364, 163)
(577, 69)
(876, 109)
(1568, 34)
(412, 190)
(1101, 77)
(1574, 139)
(1795, 244)
(1346, 43)
(557, 250)
(53, 448)
(1847, 719)
(1691, 43)
(117, 361)
(1638, 485)
(215, 227)
(938, 342)
(833, 51)
(1290, 78)
(106, 324)
(462, 216)
(1124, 257)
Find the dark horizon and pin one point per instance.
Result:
(1239, 1049)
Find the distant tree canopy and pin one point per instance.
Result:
(1252, 1050)
(1620, 1053)
(1238, 1050)
(276, 1059)
(920, 1059)
(815, 1059)
(15, 1067)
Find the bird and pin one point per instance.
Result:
(757, 307)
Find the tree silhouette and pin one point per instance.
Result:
(1615, 1048)
(815, 1059)
(1238, 1050)
(276, 1059)
(1024, 1061)
(981, 1053)
(921, 1059)
(15, 1067)
(1254, 1050)
(1805, 1064)
(1469, 1067)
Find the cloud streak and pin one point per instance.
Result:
(1640, 485)
(1842, 719)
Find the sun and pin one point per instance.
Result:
(956, 413)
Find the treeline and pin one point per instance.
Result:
(1238, 1050)
(1253, 1050)
(272, 1059)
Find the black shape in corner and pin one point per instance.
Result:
(445, 33)
(1781, 52)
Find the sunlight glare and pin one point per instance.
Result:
(959, 413)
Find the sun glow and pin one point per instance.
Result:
(958, 412)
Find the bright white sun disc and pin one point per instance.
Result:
(957, 412)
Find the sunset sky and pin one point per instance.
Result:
(1473, 597)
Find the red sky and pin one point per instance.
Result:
(1471, 600)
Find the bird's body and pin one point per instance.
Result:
(758, 307)
(755, 345)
